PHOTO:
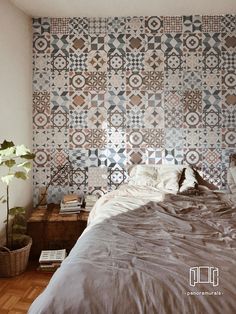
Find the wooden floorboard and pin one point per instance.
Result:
(17, 293)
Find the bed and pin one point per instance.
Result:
(147, 250)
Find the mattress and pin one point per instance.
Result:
(149, 252)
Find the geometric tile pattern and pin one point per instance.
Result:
(108, 92)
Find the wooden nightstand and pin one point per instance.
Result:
(51, 230)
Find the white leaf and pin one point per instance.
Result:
(7, 179)
(21, 150)
(7, 151)
(26, 165)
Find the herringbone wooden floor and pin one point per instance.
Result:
(16, 294)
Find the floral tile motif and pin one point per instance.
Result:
(211, 80)
(192, 61)
(97, 177)
(192, 100)
(79, 43)
(116, 177)
(59, 62)
(78, 25)
(228, 98)
(193, 137)
(192, 42)
(192, 80)
(229, 117)
(173, 62)
(116, 138)
(154, 60)
(229, 137)
(212, 118)
(193, 156)
(228, 42)
(211, 61)
(135, 61)
(41, 138)
(154, 24)
(228, 61)
(41, 44)
(228, 80)
(41, 102)
(60, 25)
(173, 81)
(97, 26)
(116, 80)
(211, 23)
(41, 63)
(173, 138)
(97, 61)
(116, 25)
(172, 24)
(116, 62)
(211, 138)
(135, 24)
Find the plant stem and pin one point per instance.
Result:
(7, 226)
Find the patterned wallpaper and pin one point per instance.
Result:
(109, 92)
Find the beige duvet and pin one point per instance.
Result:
(135, 257)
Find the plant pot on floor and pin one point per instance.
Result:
(13, 263)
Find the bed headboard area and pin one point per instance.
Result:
(111, 92)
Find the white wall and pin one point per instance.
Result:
(15, 92)
(99, 8)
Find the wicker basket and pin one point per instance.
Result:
(13, 263)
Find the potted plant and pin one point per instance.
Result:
(15, 162)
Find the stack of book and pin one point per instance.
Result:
(71, 203)
(49, 261)
(90, 200)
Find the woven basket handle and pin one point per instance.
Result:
(4, 249)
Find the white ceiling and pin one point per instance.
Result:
(101, 8)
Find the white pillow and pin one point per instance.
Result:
(164, 177)
(231, 179)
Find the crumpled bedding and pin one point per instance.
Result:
(136, 253)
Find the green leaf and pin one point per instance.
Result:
(28, 156)
(10, 163)
(20, 175)
(26, 165)
(19, 228)
(6, 145)
(16, 210)
(7, 179)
